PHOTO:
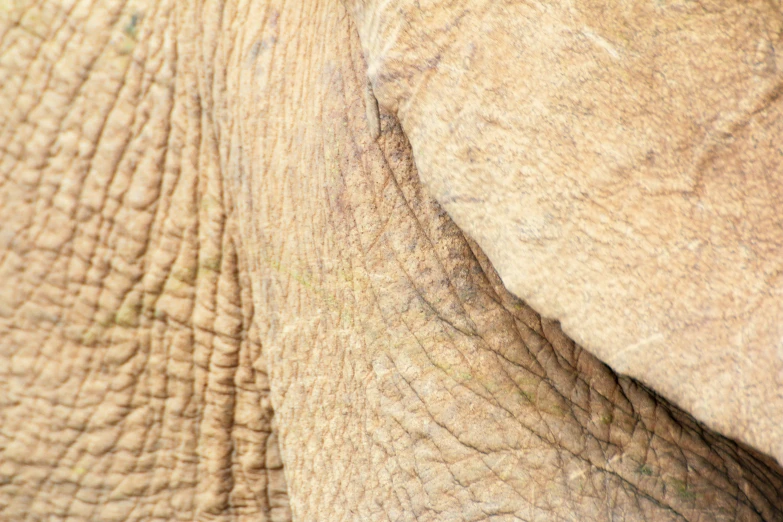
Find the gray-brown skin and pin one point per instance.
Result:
(206, 256)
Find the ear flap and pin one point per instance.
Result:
(620, 164)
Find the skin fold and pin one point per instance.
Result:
(619, 163)
(226, 295)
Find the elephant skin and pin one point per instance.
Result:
(620, 164)
(225, 295)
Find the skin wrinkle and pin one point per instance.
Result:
(372, 358)
(110, 466)
(300, 291)
(79, 393)
(25, 71)
(56, 252)
(694, 102)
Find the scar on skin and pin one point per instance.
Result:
(373, 114)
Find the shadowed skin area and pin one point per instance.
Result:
(208, 257)
(619, 162)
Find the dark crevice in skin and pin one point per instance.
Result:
(760, 475)
(220, 308)
(566, 357)
(725, 449)
(443, 128)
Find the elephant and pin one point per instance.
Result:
(234, 286)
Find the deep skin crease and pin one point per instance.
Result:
(619, 163)
(226, 295)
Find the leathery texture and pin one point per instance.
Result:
(131, 381)
(208, 254)
(407, 383)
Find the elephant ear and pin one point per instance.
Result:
(620, 164)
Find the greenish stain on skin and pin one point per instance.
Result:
(132, 27)
(129, 34)
(644, 470)
(209, 203)
(456, 375)
(526, 395)
(682, 489)
(607, 419)
(211, 264)
(128, 314)
(327, 298)
(555, 410)
(183, 275)
(126, 317)
(90, 336)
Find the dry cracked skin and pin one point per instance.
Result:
(225, 295)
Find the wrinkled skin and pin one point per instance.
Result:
(221, 298)
(629, 159)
